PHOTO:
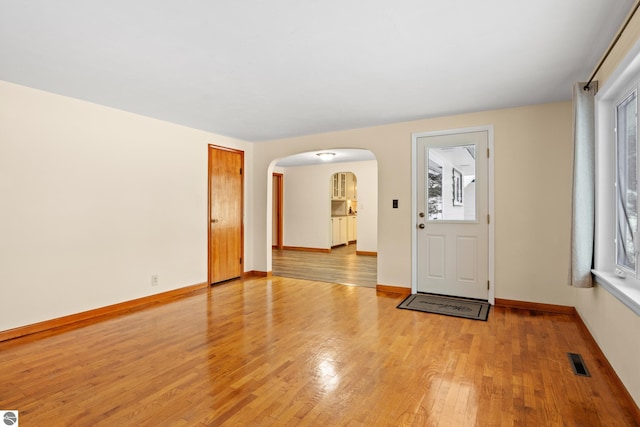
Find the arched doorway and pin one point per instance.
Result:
(309, 211)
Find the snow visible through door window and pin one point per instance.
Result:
(451, 183)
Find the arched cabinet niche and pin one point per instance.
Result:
(344, 208)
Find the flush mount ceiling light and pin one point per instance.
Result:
(325, 156)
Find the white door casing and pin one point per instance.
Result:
(452, 238)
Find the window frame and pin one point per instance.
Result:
(621, 82)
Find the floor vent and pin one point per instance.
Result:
(579, 368)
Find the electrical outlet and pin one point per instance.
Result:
(154, 280)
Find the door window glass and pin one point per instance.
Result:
(451, 183)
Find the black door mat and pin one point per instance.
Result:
(450, 306)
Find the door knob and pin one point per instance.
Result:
(214, 220)
(420, 226)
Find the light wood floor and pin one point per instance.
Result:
(341, 265)
(275, 351)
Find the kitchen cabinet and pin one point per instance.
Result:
(352, 187)
(352, 229)
(343, 206)
(344, 230)
(344, 186)
(339, 187)
(339, 231)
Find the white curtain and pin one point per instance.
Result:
(583, 215)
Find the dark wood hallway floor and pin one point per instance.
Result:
(341, 265)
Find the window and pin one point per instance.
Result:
(451, 184)
(626, 182)
(617, 237)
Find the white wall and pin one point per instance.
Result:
(95, 201)
(532, 208)
(615, 328)
(613, 325)
(101, 199)
(307, 204)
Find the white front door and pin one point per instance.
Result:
(452, 214)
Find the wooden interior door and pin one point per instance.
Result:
(277, 222)
(225, 214)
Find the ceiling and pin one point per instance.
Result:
(261, 70)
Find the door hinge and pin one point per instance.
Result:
(488, 285)
(488, 219)
(240, 260)
(487, 153)
(240, 171)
